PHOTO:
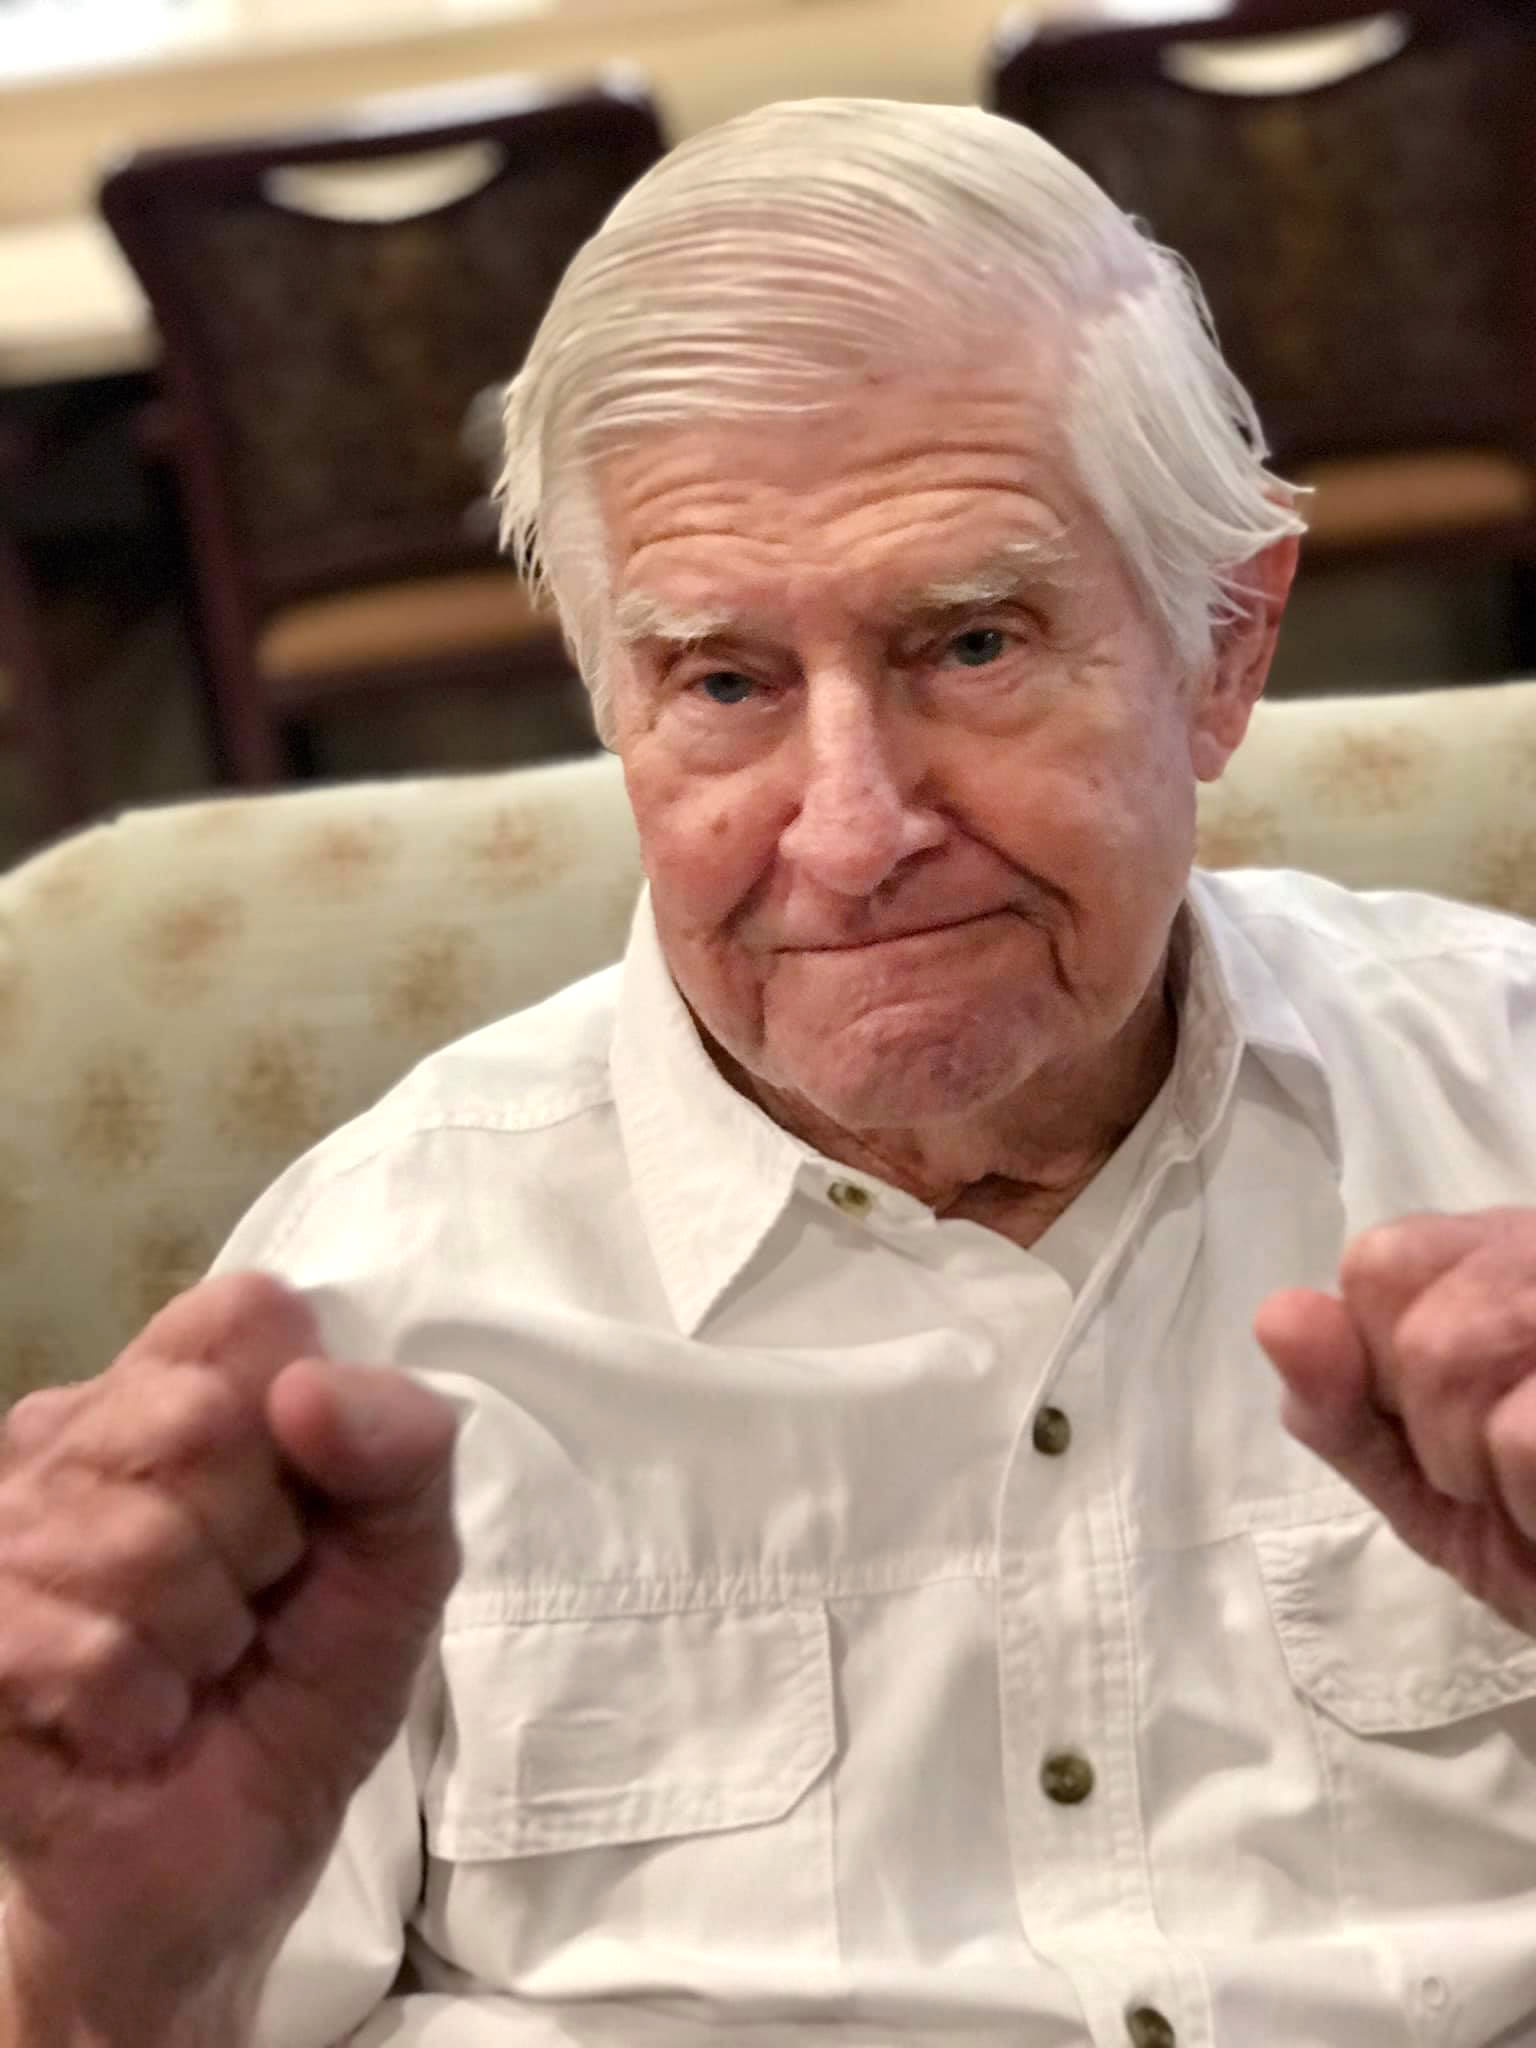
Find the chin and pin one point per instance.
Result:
(929, 1082)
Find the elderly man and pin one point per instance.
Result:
(891, 1608)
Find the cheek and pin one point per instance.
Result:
(705, 844)
(1137, 839)
(1105, 816)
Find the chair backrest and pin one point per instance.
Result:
(1355, 188)
(331, 302)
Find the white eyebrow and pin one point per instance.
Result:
(639, 615)
(991, 581)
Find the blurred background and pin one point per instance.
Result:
(262, 262)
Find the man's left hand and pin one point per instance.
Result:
(1417, 1382)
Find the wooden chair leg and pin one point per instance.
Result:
(1522, 619)
(300, 751)
(58, 786)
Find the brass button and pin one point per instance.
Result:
(1148, 2029)
(1052, 1432)
(848, 1196)
(1067, 1778)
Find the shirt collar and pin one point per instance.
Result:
(1229, 979)
(712, 1173)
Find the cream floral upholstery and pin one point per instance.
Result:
(1434, 790)
(190, 996)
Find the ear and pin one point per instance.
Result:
(1233, 679)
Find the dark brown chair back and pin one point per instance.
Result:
(1367, 244)
(321, 368)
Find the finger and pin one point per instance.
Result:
(189, 1433)
(1512, 1454)
(1317, 1349)
(369, 1437)
(247, 1324)
(113, 1548)
(1458, 1348)
(1385, 1268)
(1322, 1359)
(39, 1416)
(1315, 1346)
(89, 1681)
(378, 1450)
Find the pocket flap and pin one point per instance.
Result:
(571, 1734)
(1380, 1640)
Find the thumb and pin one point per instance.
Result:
(368, 1438)
(1321, 1355)
(1314, 1345)
(344, 1643)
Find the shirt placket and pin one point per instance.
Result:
(1069, 1699)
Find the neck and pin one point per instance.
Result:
(1017, 1164)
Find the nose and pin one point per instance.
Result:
(859, 816)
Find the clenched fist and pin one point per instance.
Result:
(220, 1565)
(1418, 1384)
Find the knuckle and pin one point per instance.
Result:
(251, 1307)
(105, 1649)
(1375, 1255)
(193, 1418)
(1434, 1362)
(150, 1539)
(58, 1657)
(38, 1416)
(122, 1703)
(74, 1541)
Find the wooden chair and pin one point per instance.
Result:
(1356, 191)
(330, 303)
(37, 711)
(33, 714)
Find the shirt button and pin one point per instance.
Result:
(1148, 2029)
(1067, 1778)
(848, 1196)
(1052, 1432)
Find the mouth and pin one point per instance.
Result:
(902, 936)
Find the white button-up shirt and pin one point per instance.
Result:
(802, 1686)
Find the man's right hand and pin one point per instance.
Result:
(220, 1566)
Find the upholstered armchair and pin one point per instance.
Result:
(191, 996)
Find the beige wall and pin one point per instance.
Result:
(705, 61)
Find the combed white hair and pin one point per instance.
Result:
(760, 264)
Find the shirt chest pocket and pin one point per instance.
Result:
(633, 1802)
(1423, 1707)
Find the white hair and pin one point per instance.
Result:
(760, 264)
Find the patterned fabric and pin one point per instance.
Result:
(1431, 790)
(190, 996)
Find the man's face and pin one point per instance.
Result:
(913, 772)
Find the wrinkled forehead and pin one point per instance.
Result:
(910, 483)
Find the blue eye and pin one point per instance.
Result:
(725, 686)
(978, 648)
